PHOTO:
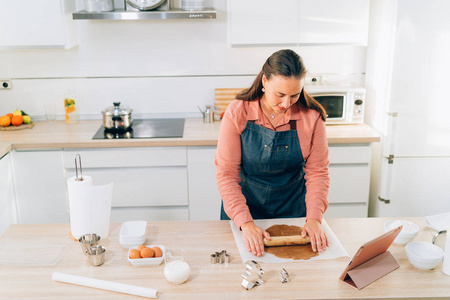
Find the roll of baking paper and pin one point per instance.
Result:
(446, 263)
(105, 285)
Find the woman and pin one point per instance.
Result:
(272, 154)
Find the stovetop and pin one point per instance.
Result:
(145, 129)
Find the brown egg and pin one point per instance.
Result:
(147, 252)
(134, 253)
(141, 247)
(158, 252)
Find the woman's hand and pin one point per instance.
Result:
(319, 240)
(253, 238)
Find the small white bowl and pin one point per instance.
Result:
(408, 233)
(133, 230)
(423, 255)
(152, 261)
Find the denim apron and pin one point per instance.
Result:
(272, 175)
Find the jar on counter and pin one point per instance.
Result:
(193, 5)
(70, 111)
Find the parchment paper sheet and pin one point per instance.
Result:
(439, 222)
(334, 251)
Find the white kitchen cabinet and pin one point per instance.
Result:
(158, 183)
(173, 213)
(37, 24)
(334, 22)
(263, 22)
(154, 183)
(150, 183)
(204, 198)
(39, 187)
(8, 212)
(267, 22)
(349, 180)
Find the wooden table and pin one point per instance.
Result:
(309, 279)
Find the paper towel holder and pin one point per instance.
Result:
(76, 168)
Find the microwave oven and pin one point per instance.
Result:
(343, 106)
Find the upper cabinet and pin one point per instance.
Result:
(292, 22)
(37, 24)
(263, 21)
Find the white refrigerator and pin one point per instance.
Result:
(408, 87)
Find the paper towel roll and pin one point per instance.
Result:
(446, 263)
(89, 206)
(105, 285)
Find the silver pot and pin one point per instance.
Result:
(117, 118)
(98, 5)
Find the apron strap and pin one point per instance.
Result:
(293, 124)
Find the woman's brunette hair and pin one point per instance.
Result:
(286, 63)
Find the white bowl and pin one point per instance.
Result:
(152, 261)
(423, 255)
(133, 229)
(408, 233)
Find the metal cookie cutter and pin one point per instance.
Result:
(253, 275)
(284, 276)
(220, 257)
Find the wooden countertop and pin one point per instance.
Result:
(316, 279)
(45, 135)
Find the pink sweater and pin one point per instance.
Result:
(313, 142)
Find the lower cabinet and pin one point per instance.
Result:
(149, 213)
(150, 183)
(349, 180)
(155, 183)
(39, 186)
(204, 198)
(8, 211)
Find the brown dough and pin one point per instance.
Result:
(295, 252)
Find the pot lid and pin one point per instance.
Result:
(116, 110)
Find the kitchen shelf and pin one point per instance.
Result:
(207, 13)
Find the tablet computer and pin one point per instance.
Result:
(371, 250)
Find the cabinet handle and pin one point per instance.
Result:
(387, 201)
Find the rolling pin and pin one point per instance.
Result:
(286, 240)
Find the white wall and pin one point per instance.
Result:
(158, 67)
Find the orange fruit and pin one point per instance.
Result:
(70, 109)
(135, 253)
(10, 115)
(17, 120)
(158, 251)
(5, 121)
(141, 247)
(67, 117)
(147, 252)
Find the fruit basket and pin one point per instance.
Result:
(20, 127)
(16, 121)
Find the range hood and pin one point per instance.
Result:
(123, 11)
(121, 14)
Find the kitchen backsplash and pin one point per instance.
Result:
(148, 97)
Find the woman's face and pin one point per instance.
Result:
(281, 92)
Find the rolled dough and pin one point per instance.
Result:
(295, 252)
